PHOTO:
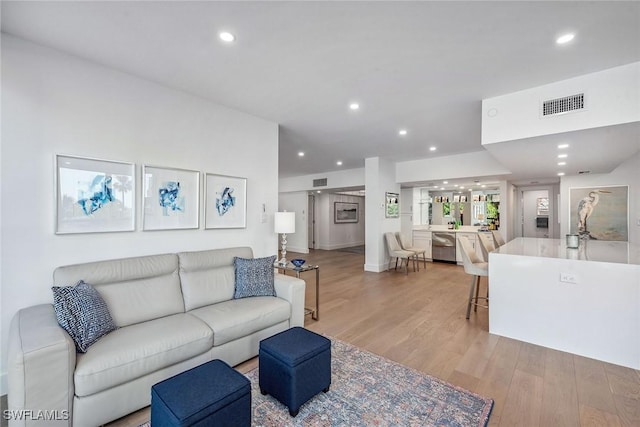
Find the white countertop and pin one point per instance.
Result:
(589, 250)
(462, 229)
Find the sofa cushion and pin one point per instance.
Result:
(127, 285)
(254, 277)
(82, 312)
(208, 277)
(238, 318)
(132, 352)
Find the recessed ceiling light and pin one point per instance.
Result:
(562, 163)
(563, 156)
(432, 148)
(561, 146)
(402, 132)
(339, 163)
(455, 185)
(442, 188)
(354, 106)
(435, 186)
(226, 36)
(445, 182)
(484, 186)
(565, 38)
(461, 187)
(560, 173)
(318, 191)
(301, 153)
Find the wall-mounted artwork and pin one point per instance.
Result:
(225, 201)
(170, 198)
(94, 196)
(392, 205)
(600, 213)
(542, 206)
(344, 212)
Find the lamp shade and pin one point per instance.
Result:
(285, 222)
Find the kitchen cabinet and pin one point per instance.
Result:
(422, 240)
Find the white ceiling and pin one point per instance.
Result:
(423, 66)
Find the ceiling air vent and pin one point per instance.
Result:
(322, 182)
(563, 105)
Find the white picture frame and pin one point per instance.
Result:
(94, 195)
(225, 201)
(170, 198)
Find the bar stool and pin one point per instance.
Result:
(474, 266)
(486, 244)
(498, 238)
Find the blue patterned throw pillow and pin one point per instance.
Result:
(254, 277)
(82, 312)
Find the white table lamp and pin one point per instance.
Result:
(285, 223)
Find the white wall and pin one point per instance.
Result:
(332, 236)
(380, 178)
(338, 179)
(477, 164)
(608, 101)
(55, 103)
(627, 173)
(296, 202)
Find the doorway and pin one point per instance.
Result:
(536, 213)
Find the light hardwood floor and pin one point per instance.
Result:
(419, 320)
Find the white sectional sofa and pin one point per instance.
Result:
(173, 312)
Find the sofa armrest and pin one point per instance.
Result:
(41, 363)
(292, 290)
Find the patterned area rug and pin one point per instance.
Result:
(369, 390)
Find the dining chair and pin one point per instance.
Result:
(486, 244)
(396, 251)
(407, 246)
(498, 238)
(477, 268)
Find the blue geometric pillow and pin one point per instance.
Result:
(82, 312)
(254, 277)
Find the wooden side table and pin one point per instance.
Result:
(315, 313)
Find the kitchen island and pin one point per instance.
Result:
(584, 301)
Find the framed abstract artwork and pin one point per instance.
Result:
(170, 198)
(344, 212)
(225, 201)
(600, 213)
(94, 196)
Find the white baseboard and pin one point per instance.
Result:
(297, 250)
(376, 268)
(340, 246)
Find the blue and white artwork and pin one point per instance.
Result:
(170, 197)
(225, 201)
(94, 196)
(98, 194)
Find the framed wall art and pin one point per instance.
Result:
(170, 198)
(94, 196)
(600, 213)
(392, 205)
(344, 212)
(225, 201)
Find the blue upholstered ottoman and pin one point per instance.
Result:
(295, 365)
(212, 394)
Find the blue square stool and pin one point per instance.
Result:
(212, 394)
(295, 365)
